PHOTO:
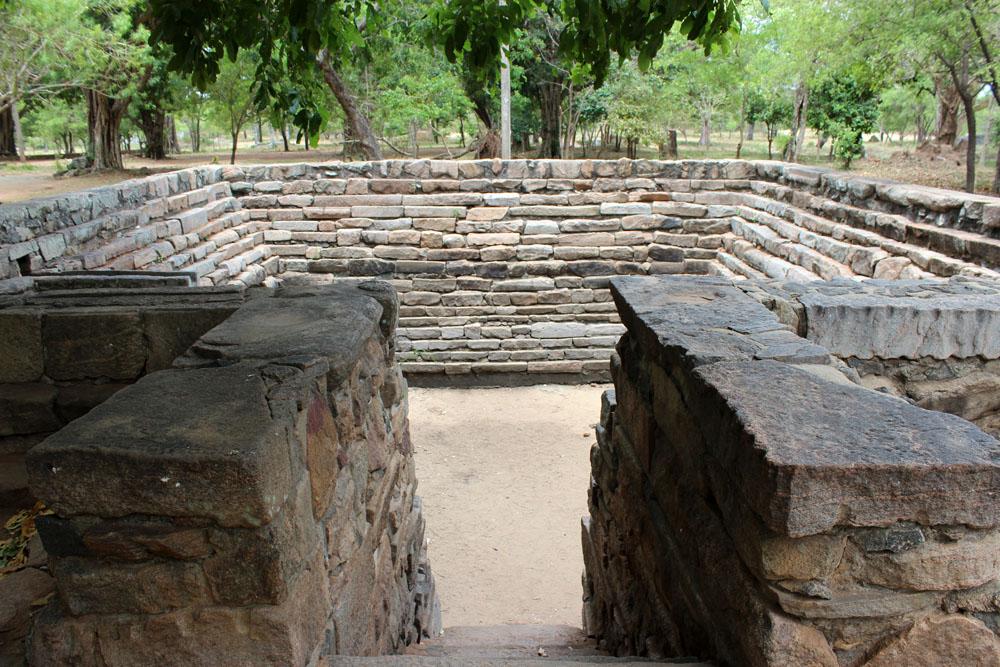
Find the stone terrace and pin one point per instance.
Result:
(503, 267)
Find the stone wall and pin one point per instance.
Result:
(252, 504)
(64, 352)
(751, 503)
(503, 267)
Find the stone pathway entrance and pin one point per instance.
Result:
(503, 474)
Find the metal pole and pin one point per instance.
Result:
(504, 100)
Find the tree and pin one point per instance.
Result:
(232, 95)
(906, 108)
(119, 65)
(293, 41)
(631, 105)
(844, 108)
(60, 121)
(40, 42)
(777, 112)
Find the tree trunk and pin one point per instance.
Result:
(960, 79)
(236, 139)
(668, 149)
(104, 123)
(173, 143)
(798, 122)
(743, 123)
(360, 129)
(705, 139)
(995, 189)
(946, 120)
(22, 156)
(153, 122)
(550, 100)
(750, 131)
(8, 145)
(196, 136)
(986, 134)
(284, 136)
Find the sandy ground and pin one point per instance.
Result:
(503, 474)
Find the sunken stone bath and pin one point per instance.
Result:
(202, 374)
(753, 500)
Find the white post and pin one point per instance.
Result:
(504, 100)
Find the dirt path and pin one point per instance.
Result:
(503, 474)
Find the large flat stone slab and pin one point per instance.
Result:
(808, 454)
(891, 327)
(193, 443)
(328, 322)
(692, 320)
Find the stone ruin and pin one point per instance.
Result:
(236, 485)
(753, 501)
(200, 376)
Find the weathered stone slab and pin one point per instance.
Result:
(870, 325)
(323, 321)
(697, 320)
(21, 358)
(82, 344)
(196, 443)
(809, 454)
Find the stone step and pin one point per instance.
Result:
(864, 226)
(153, 243)
(505, 645)
(740, 268)
(765, 262)
(430, 661)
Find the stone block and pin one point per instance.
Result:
(171, 331)
(28, 408)
(679, 209)
(89, 586)
(630, 208)
(82, 344)
(485, 239)
(867, 326)
(941, 640)
(837, 447)
(21, 356)
(219, 457)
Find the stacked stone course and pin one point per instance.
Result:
(251, 504)
(752, 502)
(503, 267)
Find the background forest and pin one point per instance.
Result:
(904, 89)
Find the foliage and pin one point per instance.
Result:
(844, 109)
(20, 528)
(593, 29)
(906, 108)
(631, 103)
(54, 121)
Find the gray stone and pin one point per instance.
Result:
(197, 443)
(820, 454)
(21, 358)
(871, 325)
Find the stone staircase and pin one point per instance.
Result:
(205, 231)
(506, 645)
(779, 232)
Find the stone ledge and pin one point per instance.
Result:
(198, 443)
(809, 454)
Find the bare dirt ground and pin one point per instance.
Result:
(503, 474)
